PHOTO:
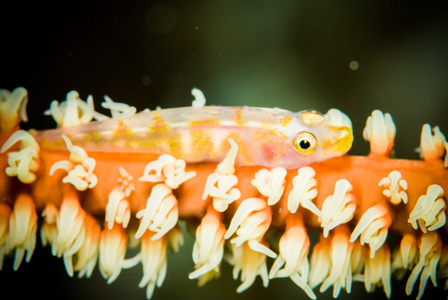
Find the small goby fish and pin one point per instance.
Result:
(268, 137)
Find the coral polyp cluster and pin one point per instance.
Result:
(95, 205)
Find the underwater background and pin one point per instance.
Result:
(352, 55)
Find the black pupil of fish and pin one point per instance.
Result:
(304, 144)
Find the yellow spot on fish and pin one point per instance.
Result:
(201, 142)
(158, 120)
(238, 116)
(122, 129)
(175, 145)
(205, 122)
(285, 120)
(95, 137)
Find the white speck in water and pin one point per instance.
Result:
(354, 65)
(146, 80)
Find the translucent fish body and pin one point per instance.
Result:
(265, 136)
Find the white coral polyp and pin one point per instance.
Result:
(222, 189)
(73, 111)
(331, 262)
(79, 167)
(208, 249)
(199, 98)
(380, 131)
(294, 246)
(126, 182)
(86, 257)
(167, 169)
(49, 230)
(117, 209)
(70, 226)
(82, 176)
(304, 191)
(270, 183)
(405, 257)
(22, 230)
(117, 109)
(24, 162)
(372, 227)
(250, 222)
(250, 263)
(377, 271)
(5, 211)
(175, 239)
(227, 166)
(430, 250)
(396, 187)
(112, 251)
(337, 208)
(432, 146)
(221, 184)
(12, 108)
(429, 211)
(161, 212)
(154, 262)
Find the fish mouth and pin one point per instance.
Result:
(343, 143)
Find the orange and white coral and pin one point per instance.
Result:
(379, 193)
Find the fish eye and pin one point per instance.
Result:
(305, 142)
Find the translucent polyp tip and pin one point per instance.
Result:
(335, 117)
(380, 131)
